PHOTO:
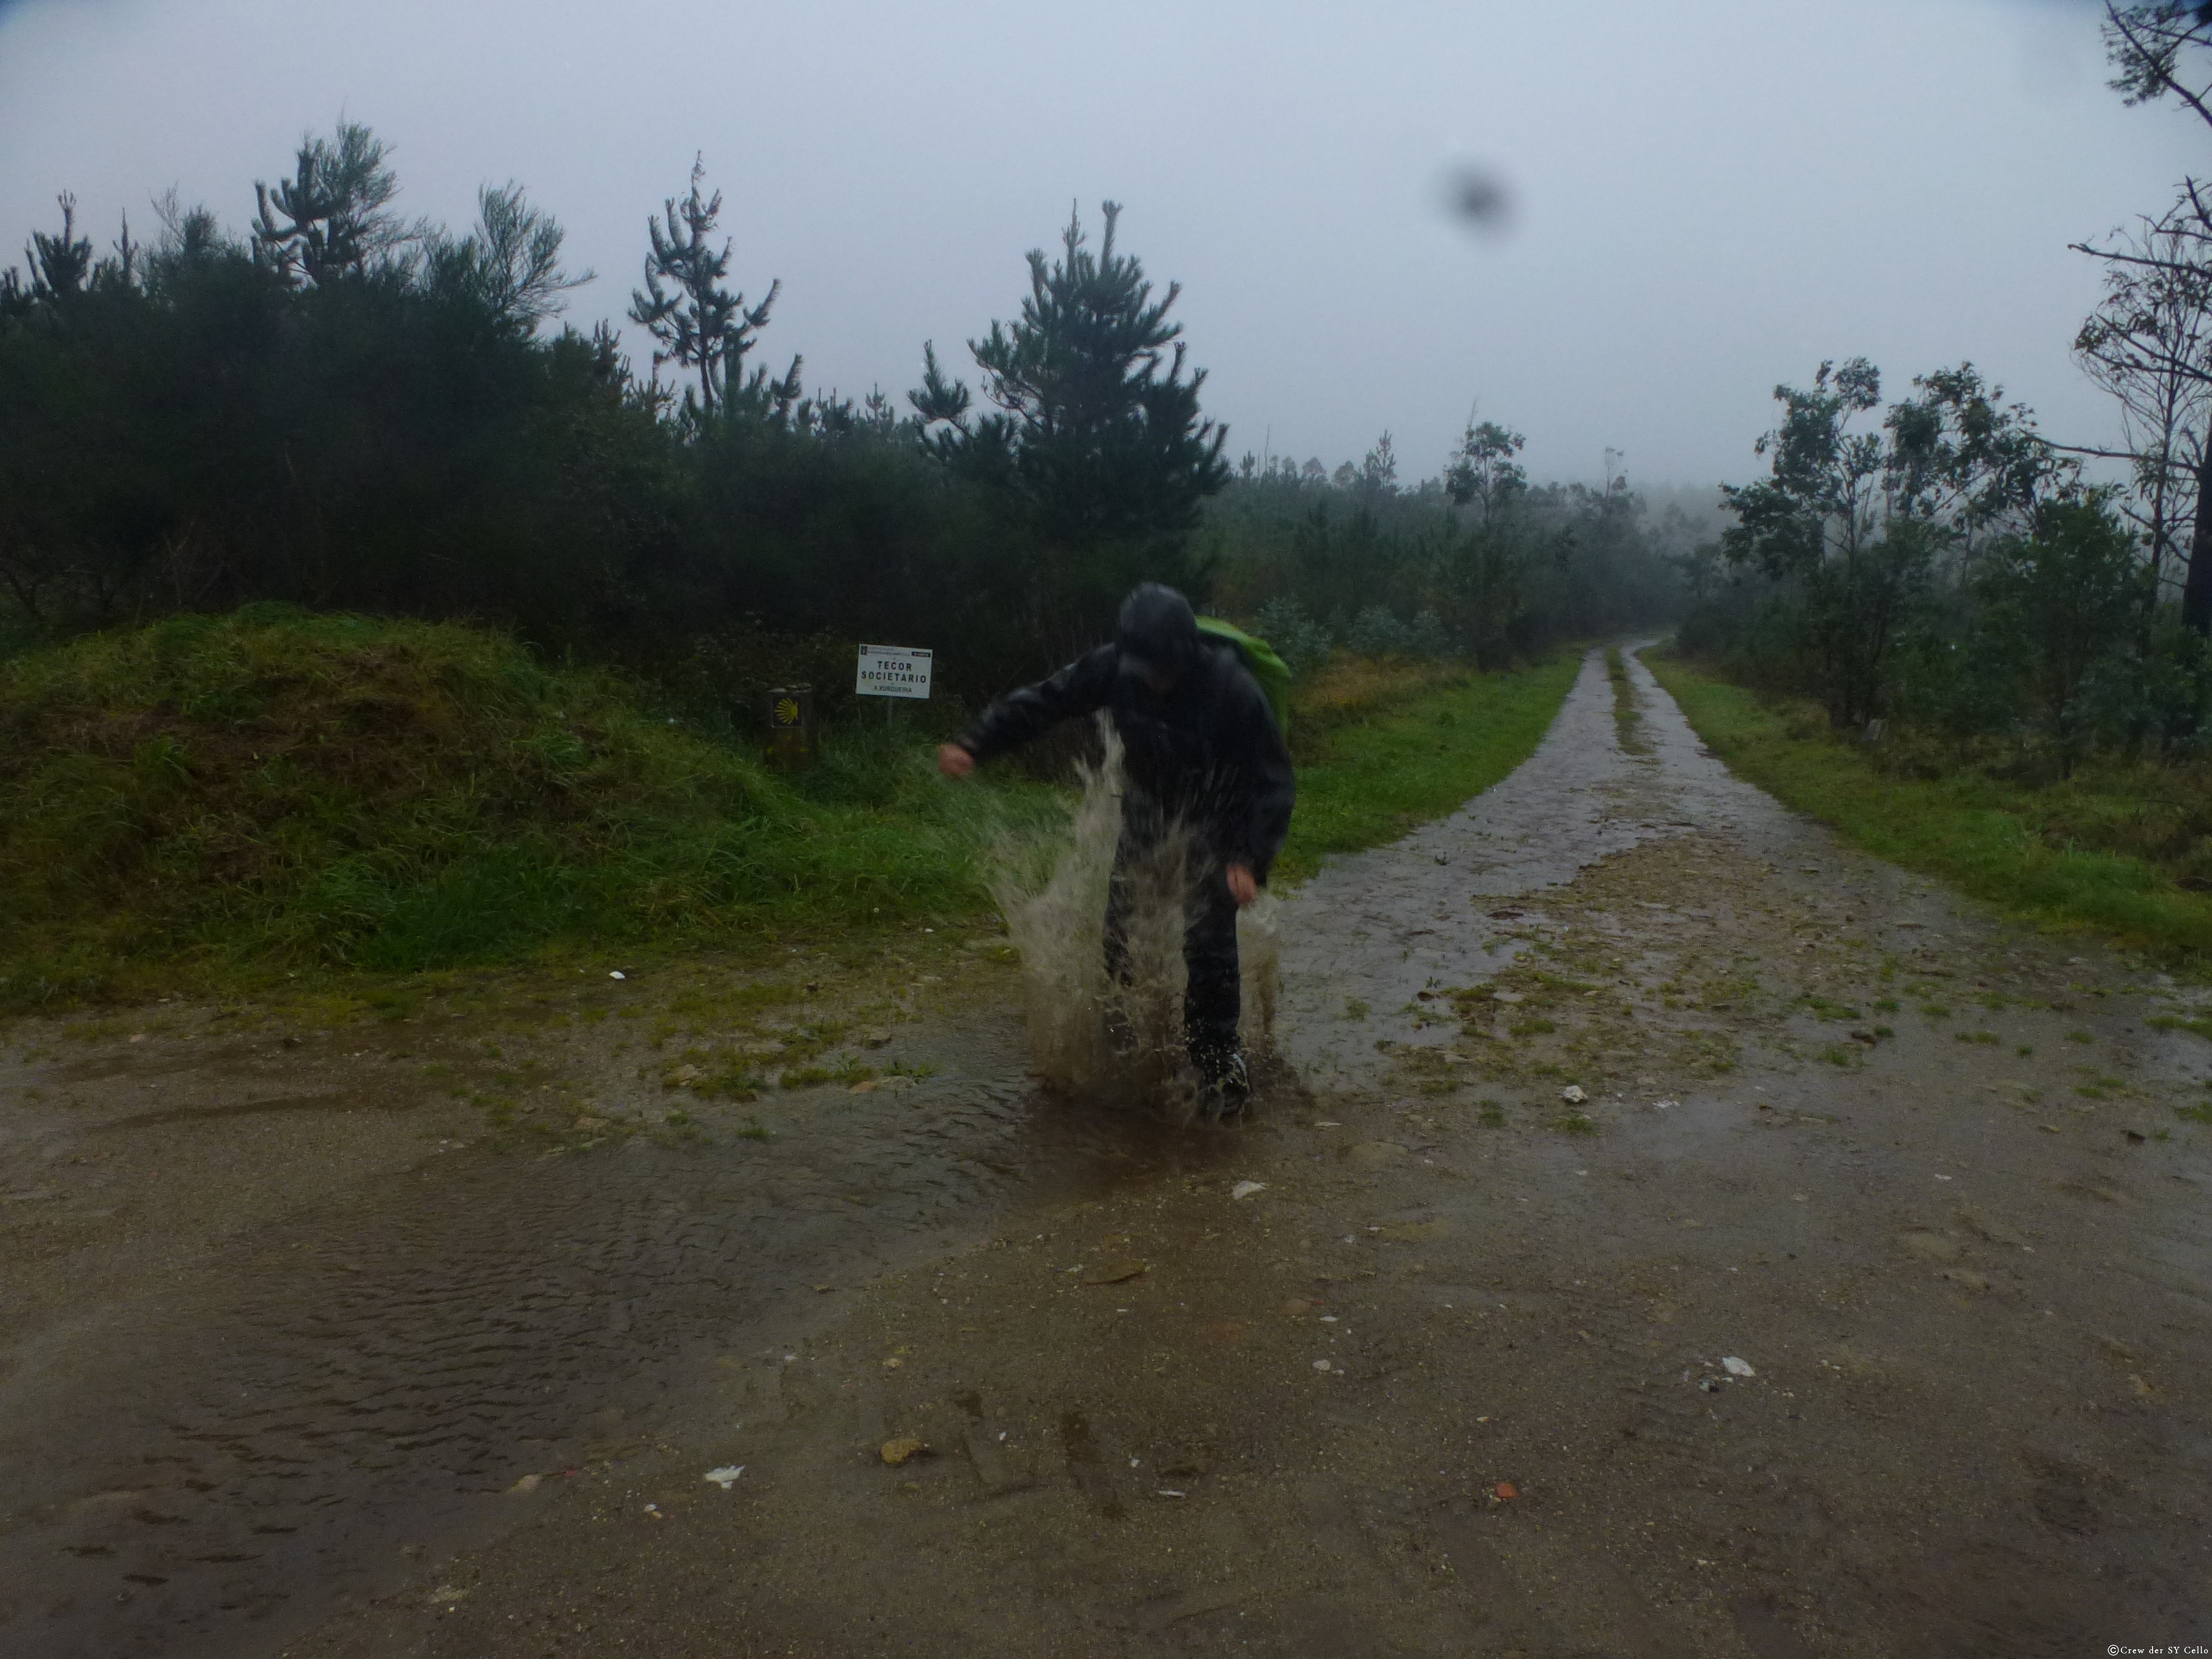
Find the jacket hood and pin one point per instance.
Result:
(1158, 626)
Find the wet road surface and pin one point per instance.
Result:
(1617, 1075)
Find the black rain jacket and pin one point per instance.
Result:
(1208, 752)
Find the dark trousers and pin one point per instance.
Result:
(1213, 991)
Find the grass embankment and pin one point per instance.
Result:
(209, 803)
(2103, 849)
(1384, 746)
(218, 804)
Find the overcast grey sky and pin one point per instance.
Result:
(1708, 195)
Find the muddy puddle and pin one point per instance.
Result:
(306, 1402)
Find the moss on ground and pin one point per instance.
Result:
(1627, 719)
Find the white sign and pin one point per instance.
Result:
(893, 670)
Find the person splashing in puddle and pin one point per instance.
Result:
(1201, 751)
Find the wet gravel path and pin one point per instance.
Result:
(1618, 1075)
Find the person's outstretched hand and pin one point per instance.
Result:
(956, 762)
(1244, 887)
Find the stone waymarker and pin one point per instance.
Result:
(791, 729)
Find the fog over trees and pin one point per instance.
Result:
(338, 407)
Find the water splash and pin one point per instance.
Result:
(1117, 1042)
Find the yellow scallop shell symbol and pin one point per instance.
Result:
(787, 711)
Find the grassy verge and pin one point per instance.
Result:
(330, 804)
(1383, 747)
(2004, 842)
(216, 802)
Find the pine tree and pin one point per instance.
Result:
(697, 321)
(510, 262)
(332, 217)
(60, 265)
(1098, 428)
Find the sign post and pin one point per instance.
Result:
(892, 671)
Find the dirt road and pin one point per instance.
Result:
(1666, 1232)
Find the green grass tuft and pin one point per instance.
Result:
(1628, 718)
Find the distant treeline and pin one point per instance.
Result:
(344, 410)
(1940, 565)
(1477, 563)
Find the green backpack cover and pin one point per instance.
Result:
(1270, 670)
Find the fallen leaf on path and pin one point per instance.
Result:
(1246, 1188)
(1504, 1492)
(1115, 1273)
(726, 1476)
(527, 1484)
(897, 1451)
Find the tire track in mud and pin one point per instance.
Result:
(1815, 945)
(1378, 928)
